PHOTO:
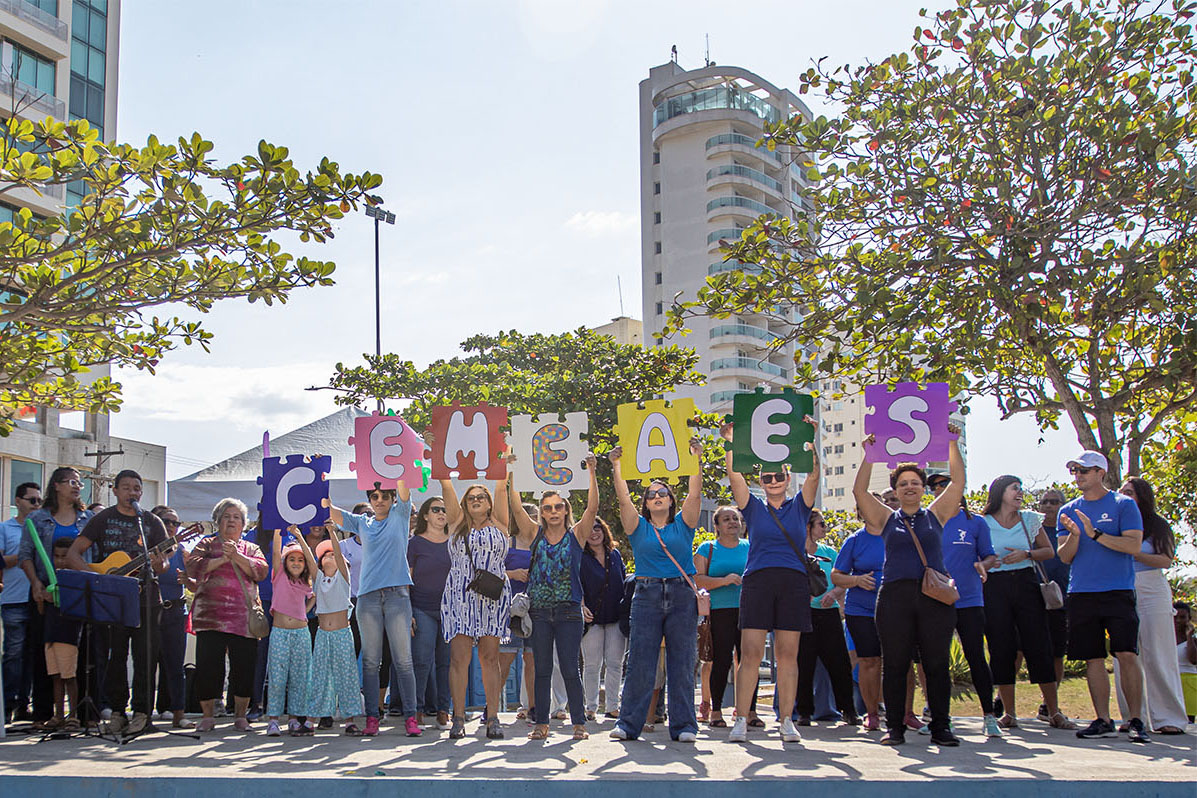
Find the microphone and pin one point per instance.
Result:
(136, 507)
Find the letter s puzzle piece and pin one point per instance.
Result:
(386, 451)
(550, 452)
(910, 424)
(292, 489)
(656, 440)
(469, 442)
(770, 430)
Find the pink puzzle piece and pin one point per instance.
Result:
(387, 450)
(910, 424)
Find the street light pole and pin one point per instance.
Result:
(378, 215)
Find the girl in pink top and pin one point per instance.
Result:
(290, 663)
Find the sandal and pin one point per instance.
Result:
(458, 729)
(580, 733)
(182, 723)
(704, 711)
(352, 730)
(1061, 721)
(559, 715)
(1009, 722)
(523, 713)
(717, 723)
(539, 732)
(494, 731)
(648, 728)
(206, 725)
(756, 723)
(1169, 730)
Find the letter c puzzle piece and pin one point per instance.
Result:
(910, 424)
(770, 430)
(550, 452)
(292, 488)
(386, 451)
(469, 442)
(656, 440)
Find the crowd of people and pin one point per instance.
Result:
(384, 607)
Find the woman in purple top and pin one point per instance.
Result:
(428, 556)
(226, 568)
(517, 563)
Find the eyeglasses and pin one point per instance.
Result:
(770, 478)
(656, 493)
(552, 508)
(437, 510)
(1049, 501)
(74, 483)
(170, 523)
(35, 501)
(1080, 469)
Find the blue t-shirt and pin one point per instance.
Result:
(16, 584)
(429, 563)
(168, 581)
(1013, 539)
(1149, 547)
(901, 557)
(829, 555)
(966, 540)
(1095, 568)
(767, 545)
(722, 561)
(384, 547)
(862, 553)
(651, 560)
(64, 531)
(517, 560)
(1055, 569)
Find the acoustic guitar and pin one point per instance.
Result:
(121, 564)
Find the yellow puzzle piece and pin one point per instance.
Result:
(656, 440)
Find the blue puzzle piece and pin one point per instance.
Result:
(292, 490)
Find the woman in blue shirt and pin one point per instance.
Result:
(603, 643)
(664, 604)
(858, 568)
(719, 565)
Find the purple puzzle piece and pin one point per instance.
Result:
(292, 489)
(910, 424)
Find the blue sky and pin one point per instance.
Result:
(507, 136)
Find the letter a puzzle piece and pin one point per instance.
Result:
(656, 440)
(386, 451)
(469, 442)
(550, 452)
(910, 424)
(292, 488)
(770, 430)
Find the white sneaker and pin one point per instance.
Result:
(739, 731)
(272, 729)
(105, 714)
(618, 734)
(687, 737)
(789, 734)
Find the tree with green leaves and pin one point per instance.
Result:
(1008, 207)
(158, 225)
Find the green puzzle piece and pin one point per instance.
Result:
(770, 431)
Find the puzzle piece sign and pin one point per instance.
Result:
(549, 452)
(468, 442)
(386, 451)
(910, 424)
(770, 430)
(656, 440)
(292, 490)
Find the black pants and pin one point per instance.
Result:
(970, 626)
(210, 650)
(824, 642)
(145, 668)
(725, 638)
(906, 619)
(1015, 617)
(172, 644)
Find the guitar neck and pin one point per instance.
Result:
(165, 545)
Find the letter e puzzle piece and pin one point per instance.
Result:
(386, 451)
(469, 442)
(549, 452)
(770, 430)
(292, 489)
(656, 440)
(910, 423)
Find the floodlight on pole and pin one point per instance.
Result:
(378, 215)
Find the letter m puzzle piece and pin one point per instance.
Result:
(468, 442)
(386, 451)
(911, 424)
(550, 452)
(656, 440)
(292, 488)
(770, 430)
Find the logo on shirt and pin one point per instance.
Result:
(1105, 519)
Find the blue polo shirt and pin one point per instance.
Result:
(1095, 568)
(767, 544)
(384, 547)
(651, 559)
(965, 540)
(901, 558)
(862, 553)
(16, 584)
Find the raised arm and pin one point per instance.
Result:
(276, 548)
(947, 504)
(739, 485)
(810, 486)
(335, 514)
(342, 566)
(313, 567)
(519, 516)
(452, 503)
(502, 509)
(871, 509)
(692, 506)
(586, 523)
(629, 516)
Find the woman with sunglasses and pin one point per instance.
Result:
(61, 515)
(664, 603)
(555, 591)
(477, 543)
(428, 558)
(603, 644)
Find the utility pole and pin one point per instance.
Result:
(97, 476)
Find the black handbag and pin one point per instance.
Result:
(814, 573)
(485, 583)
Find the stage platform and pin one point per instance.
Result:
(225, 763)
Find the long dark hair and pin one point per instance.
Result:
(422, 514)
(58, 475)
(996, 489)
(1155, 529)
(644, 511)
(608, 539)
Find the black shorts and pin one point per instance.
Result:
(775, 599)
(1092, 615)
(1057, 621)
(863, 629)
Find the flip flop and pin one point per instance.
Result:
(718, 723)
(756, 723)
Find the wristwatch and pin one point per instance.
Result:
(1096, 533)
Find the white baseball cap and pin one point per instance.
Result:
(1089, 459)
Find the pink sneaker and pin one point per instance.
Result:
(371, 727)
(912, 722)
(872, 722)
(413, 728)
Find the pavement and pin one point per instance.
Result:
(157, 764)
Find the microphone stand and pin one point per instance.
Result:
(149, 591)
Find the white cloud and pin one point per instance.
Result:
(602, 223)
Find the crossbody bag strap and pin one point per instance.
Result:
(802, 556)
(915, 538)
(1042, 574)
(249, 602)
(665, 548)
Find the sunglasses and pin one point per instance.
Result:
(171, 523)
(437, 510)
(35, 501)
(656, 493)
(767, 479)
(1049, 501)
(552, 508)
(476, 497)
(1081, 470)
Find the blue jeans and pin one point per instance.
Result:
(560, 625)
(430, 654)
(660, 608)
(17, 677)
(388, 607)
(172, 645)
